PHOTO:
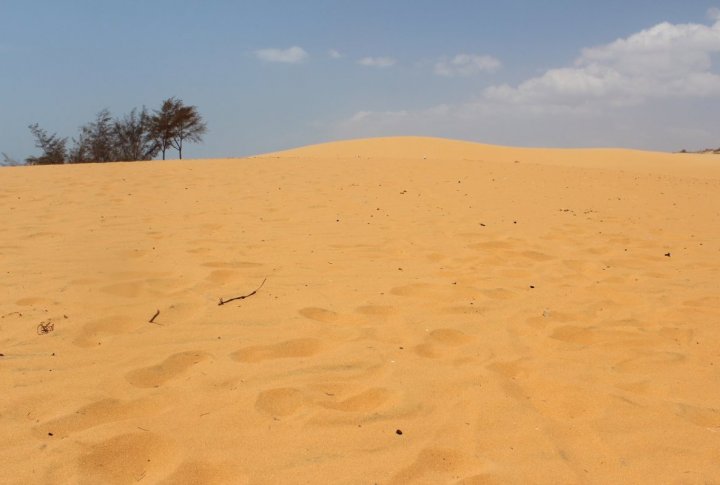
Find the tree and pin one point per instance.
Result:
(134, 137)
(174, 123)
(54, 148)
(188, 125)
(96, 141)
(162, 124)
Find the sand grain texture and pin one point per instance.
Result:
(520, 315)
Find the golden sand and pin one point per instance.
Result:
(434, 312)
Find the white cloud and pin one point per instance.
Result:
(466, 65)
(656, 88)
(377, 62)
(291, 55)
(665, 61)
(335, 54)
(713, 13)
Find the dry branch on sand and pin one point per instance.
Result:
(242, 297)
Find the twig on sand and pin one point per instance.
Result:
(152, 320)
(222, 302)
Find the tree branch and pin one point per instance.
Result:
(242, 297)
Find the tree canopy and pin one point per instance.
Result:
(138, 135)
(176, 123)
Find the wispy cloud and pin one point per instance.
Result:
(335, 54)
(381, 62)
(291, 55)
(466, 65)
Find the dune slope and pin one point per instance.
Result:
(433, 312)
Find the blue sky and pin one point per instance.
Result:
(268, 75)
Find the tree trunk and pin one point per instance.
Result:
(180, 148)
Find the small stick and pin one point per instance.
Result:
(222, 302)
(152, 320)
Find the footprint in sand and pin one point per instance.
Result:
(434, 291)
(282, 401)
(94, 332)
(567, 402)
(129, 289)
(367, 400)
(224, 276)
(98, 413)
(498, 293)
(536, 255)
(439, 340)
(304, 347)
(651, 362)
(464, 310)
(432, 465)
(173, 366)
(35, 301)
(126, 458)
(320, 314)
(197, 472)
(493, 245)
(704, 417)
(574, 334)
(375, 310)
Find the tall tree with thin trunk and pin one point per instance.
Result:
(162, 124)
(174, 124)
(188, 126)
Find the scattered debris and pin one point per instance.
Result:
(667, 254)
(242, 297)
(398, 431)
(45, 327)
(152, 320)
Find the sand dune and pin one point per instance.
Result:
(434, 312)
